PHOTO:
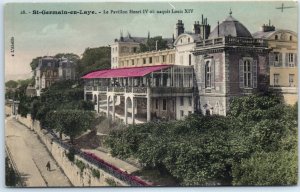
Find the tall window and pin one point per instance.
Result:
(181, 101)
(164, 104)
(291, 80)
(190, 59)
(291, 59)
(144, 60)
(132, 61)
(247, 73)
(156, 103)
(163, 58)
(207, 74)
(276, 79)
(150, 59)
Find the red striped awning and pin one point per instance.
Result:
(124, 72)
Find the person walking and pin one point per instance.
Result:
(48, 166)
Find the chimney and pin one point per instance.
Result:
(204, 29)
(179, 28)
(267, 28)
(197, 28)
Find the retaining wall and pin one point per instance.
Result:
(72, 171)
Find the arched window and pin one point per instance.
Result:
(247, 74)
(207, 74)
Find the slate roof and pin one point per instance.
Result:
(230, 27)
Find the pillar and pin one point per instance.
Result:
(133, 103)
(125, 109)
(107, 107)
(113, 111)
(148, 105)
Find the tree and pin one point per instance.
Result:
(94, 59)
(11, 84)
(151, 44)
(34, 63)
(70, 122)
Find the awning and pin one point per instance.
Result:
(124, 72)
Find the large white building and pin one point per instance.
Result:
(209, 69)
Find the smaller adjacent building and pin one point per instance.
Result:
(282, 61)
(50, 70)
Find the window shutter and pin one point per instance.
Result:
(254, 73)
(241, 73)
(280, 59)
(286, 59)
(271, 59)
(212, 73)
(295, 60)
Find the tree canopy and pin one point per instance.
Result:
(215, 150)
(94, 59)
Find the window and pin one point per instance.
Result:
(291, 60)
(207, 75)
(276, 37)
(188, 40)
(276, 56)
(180, 40)
(132, 61)
(163, 58)
(156, 103)
(276, 79)
(291, 79)
(144, 60)
(291, 38)
(181, 113)
(150, 59)
(247, 73)
(164, 104)
(181, 101)
(190, 59)
(134, 49)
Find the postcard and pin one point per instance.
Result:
(151, 94)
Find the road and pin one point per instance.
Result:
(31, 157)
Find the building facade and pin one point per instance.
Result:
(50, 70)
(282, 61)
(205, 71)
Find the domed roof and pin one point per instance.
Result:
(230, 27)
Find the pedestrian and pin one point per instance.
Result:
(48, 166)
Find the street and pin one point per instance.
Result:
(31, 157)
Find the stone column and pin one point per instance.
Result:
(125, 110)
(107, 106)
(133, 103)
(148, 104)
(113, 111)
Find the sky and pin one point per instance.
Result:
(40, 35)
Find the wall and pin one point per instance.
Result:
(71, 170)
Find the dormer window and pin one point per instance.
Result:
(291, 38)
(276, 37)
(181, 41)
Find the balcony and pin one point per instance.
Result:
(236, 41)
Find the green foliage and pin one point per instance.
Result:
(111, 182)
(34, 63)
(151, 44)
(11, 178)
(96, 173)
(262, 168)
(11, 84)
(80, 165)
(70, 122)
(71, 154)
(94, 59)
(203, 150)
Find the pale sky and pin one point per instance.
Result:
(39, 35)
